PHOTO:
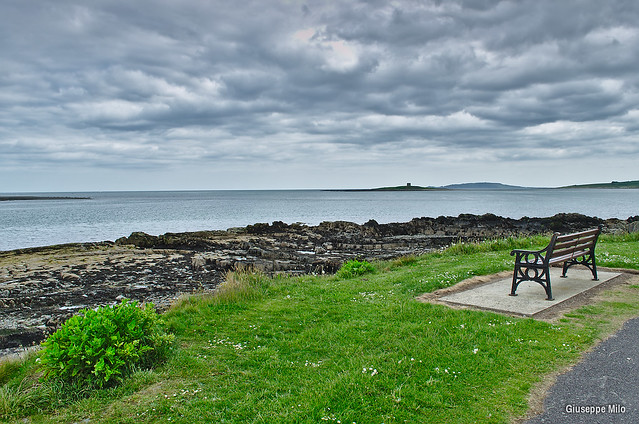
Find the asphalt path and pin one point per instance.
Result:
(602, 388)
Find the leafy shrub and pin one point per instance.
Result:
(354, 268)
(101, 347)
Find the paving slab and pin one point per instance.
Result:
(531, 297)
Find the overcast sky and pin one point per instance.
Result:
(212, 94)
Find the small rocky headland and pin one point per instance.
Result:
(42, 287)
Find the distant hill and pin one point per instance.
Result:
(490, 186)
(482, 186)
(614, 184)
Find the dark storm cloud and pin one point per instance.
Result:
(157, 83)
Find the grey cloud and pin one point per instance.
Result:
(150, 83)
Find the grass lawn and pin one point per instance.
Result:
(334, 349)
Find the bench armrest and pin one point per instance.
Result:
(529, 256)
(534, 256)
(522, 251)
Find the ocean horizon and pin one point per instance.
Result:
(108, 215)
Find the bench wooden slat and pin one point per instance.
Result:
(577, 235)
(572, 251)
(573, 248)
(564, 258)
(586, 241)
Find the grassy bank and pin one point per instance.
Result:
(341, 349)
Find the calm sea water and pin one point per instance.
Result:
(110, 215)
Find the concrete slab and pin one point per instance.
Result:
(531, 297)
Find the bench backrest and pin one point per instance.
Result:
(575, 244)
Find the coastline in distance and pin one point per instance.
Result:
(492, 186)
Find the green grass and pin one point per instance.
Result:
(619, 251)
(330, 349)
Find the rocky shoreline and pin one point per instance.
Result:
(42, 287)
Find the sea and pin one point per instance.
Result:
(107, 216)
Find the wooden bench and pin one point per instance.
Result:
(569, 249)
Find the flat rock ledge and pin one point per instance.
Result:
(41, 287)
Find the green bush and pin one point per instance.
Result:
(101, 347)
(354, 268)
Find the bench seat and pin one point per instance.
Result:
(567, 249)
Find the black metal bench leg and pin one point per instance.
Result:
(548, 289)
(515, 284)
(544, 280)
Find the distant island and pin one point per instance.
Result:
(493, 186)
(9, 198)
(407, 187)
